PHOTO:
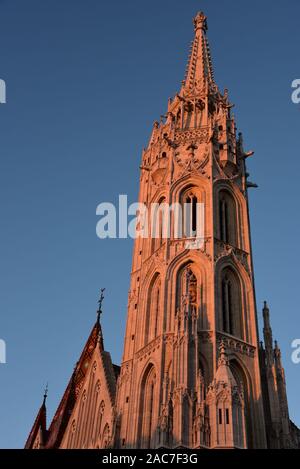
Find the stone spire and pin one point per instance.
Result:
(199, 72)
(268, 336)
(277, 356)
(277, 415)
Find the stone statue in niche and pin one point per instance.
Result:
(192, 288)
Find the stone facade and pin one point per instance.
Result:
(193, 372)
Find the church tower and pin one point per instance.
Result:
(193, 373)
(190, 374)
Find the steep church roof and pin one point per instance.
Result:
(62, 415)
(55, 433)
(39, 425)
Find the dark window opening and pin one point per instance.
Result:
(227, 306)
(223, 220)
(190, 216)
(194, 215)
(230, 307)
(227, 416)
(226, 222)
(224, 308)
(220, 416)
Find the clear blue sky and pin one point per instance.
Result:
(85, 81)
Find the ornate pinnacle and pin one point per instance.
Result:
(277, 354)
(266, 315)
(223, 358)
(200, 21)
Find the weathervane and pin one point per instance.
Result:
(99, 310)
(45, 393)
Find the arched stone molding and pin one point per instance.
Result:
(247, 300)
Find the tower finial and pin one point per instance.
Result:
(101, 298)
(200, 21)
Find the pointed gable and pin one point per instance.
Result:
(90, 424)
(38, 433)
(93, 382)
(64, 410)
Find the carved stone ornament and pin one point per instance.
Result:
(200, 135)
(189, 162)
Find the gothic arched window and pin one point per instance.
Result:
(105, 437)
(243, 383)
(227, 306)
(153, 308)
(227, 218)
(147, 407)
(95, 397)
(231, 304)
(192, 216)
(159, 224)
(98, 426)
(81, 413)
(86, 415)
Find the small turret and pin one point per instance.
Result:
(226, 406)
